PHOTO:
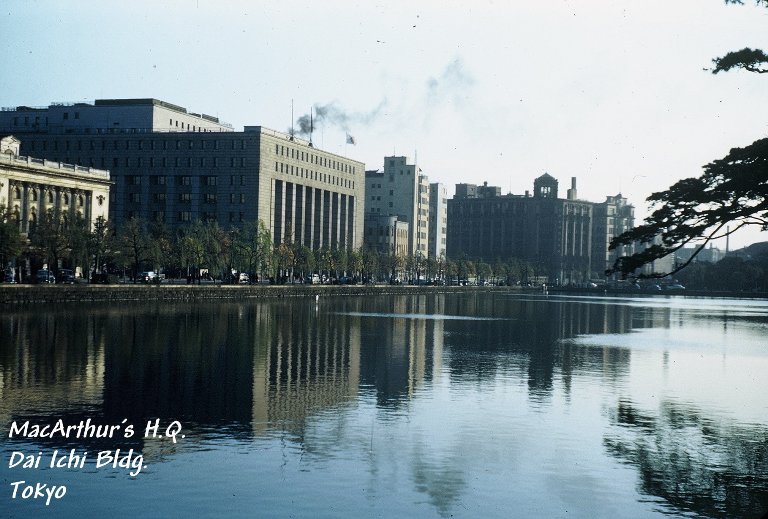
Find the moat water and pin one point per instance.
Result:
(483, 404)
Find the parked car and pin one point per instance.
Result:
(147, 277)
(243, 278)
(66, 276)
(675, 286)
(45, 276)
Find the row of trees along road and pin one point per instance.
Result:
(729, 195)
(139, 246)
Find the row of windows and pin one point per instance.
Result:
(186, 216)
(287, 151)
(314, 175)
(181, 180)
(152, 162)
(152, 144)
(79, 200)
(208, 198)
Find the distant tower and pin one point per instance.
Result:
(572, 192)
(545, 186)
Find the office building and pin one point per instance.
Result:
(175, 166)
(401, 190)
(554, 235)
(438, 216)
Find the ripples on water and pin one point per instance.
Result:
(471, 405)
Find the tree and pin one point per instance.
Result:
(731, 191)
(99, 241)
(133, 243)
(305, 260)
(159, 245)
(11, 241)
(356, 262)
(79, 237)
(50, 237)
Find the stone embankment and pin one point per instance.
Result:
(28, 294)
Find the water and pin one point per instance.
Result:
(469, 405)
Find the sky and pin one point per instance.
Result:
(614, 93)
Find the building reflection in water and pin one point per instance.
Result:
(255, 369)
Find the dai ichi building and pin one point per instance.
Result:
(175, 166)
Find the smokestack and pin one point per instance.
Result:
(572, 192)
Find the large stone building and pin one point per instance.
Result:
(176, 167)
(557, 236)
(30, 187)
(401, 190)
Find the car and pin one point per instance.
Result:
(243, 278)
(45, 276)
(65, 276)
(675, 286)
(148, 276)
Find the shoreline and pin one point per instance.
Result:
(41, 294)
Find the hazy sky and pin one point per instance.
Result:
(611, 92)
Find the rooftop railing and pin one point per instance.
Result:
(31, 161)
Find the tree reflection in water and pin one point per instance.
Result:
(695, 463)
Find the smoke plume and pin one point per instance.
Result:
(334, 115)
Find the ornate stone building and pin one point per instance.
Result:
(30, 187)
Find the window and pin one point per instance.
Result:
(158, 180)
(159, 197)
(242, 198)
(135, 198)
(185, 216)
(210, 198)
(185, 197)
(210, 180)
(185, 180)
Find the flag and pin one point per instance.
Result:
(350, 139)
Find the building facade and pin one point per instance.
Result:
(174, 166)
(438, 217)
(610, 219)
(30, 187)
(554, 235)
(386, 234)
(401, 190)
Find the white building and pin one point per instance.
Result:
(401, 190)
(438, 217)
(30, 187)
